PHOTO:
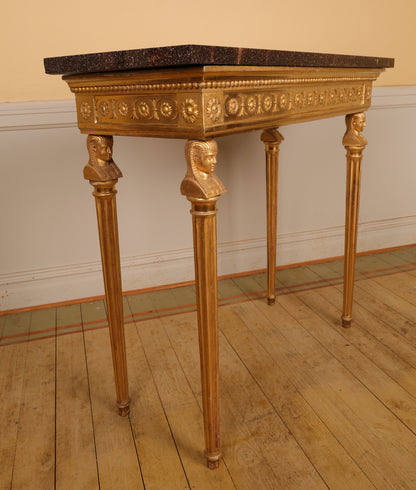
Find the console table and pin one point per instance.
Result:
(197, 93)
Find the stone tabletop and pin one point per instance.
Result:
(199, 55)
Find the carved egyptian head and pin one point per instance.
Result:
(100, 149)
(355, 122)
(202, 155)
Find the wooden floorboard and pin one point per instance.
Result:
(305, 403)
(364, 427)
(159, 458)
(36, 449)
(116, 451)
(180, 405)
(76, 463)
(12, 368)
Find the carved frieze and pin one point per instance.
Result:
(142, 109)
(259, 104)
(211, 107)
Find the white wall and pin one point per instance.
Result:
(49, 246)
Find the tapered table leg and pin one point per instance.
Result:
(203, 188)
(354, 143)
(272, 139)
(103, 174)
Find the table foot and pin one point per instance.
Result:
(271, 301)
(124, 410)
(213, 460)
(346, 321)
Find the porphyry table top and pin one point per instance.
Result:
(201, 55)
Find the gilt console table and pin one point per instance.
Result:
(198, 93)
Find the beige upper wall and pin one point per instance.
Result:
(34, 30)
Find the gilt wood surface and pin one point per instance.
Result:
(354, 143)
(103, 175)
(195, 102)
(272, 139)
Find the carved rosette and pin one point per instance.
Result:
(214, 110)
(189, 111)
(85, 110)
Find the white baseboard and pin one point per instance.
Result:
(44, 286)
(402, 97)
(19, 116)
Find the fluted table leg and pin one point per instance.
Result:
(203, 188)
(354, 143)
(103, 175)
(272, 139)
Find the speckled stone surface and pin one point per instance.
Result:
(197, 55)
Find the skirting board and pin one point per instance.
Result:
(38, 287)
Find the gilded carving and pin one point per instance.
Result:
(85, 110)
(267, 103)
(355, 124)
(298, 100)
(226, 84)
(283, 101)
(123, 108)
(128, 108)
(101, 166)
(214, 112)
(232, 106)
(214, 109)
(153, 109)
(200, 180)
(243, 105)
(251, 104)
(190, 110)
(104, 108)
(166, 109)
(143, 109)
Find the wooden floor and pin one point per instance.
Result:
(305, 404)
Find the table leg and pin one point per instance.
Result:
(272, 139)
(103, 175)
(354, 143)
(203, 188)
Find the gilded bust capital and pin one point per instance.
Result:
(200, 180)
(101, 166)
(355, 124)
